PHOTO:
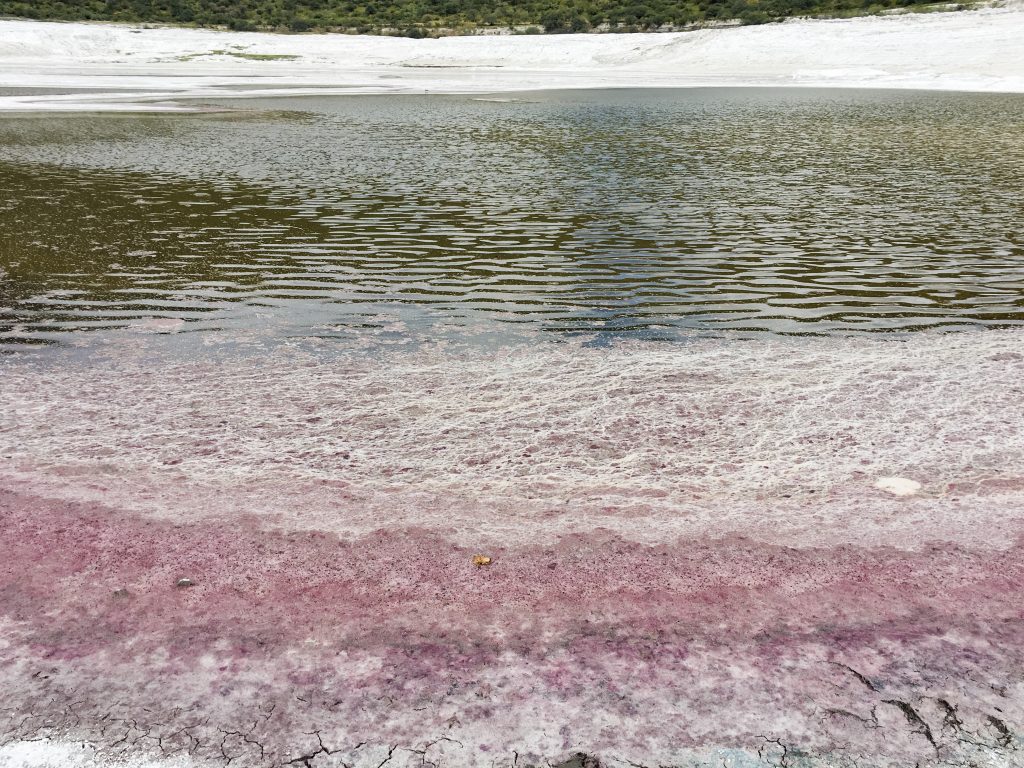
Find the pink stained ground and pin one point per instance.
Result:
(691, 564)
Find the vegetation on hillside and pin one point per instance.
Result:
(424, 17)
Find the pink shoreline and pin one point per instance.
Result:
(693, 561)
(395, 633)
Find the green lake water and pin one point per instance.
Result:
(643, 213)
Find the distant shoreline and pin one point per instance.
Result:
(132, 68)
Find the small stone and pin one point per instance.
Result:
(121, 592)
(481, 560)
(898, 486)
(184, 583)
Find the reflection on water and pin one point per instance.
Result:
(630, 213)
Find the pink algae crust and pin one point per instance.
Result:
(302, 645)
(692, 563)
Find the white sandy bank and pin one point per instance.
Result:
(130, 68)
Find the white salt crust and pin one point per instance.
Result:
(61, 754)
(786, 440)
(137, 69)
(898, 486)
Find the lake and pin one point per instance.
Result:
(649, 214)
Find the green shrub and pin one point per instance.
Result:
(412, 17)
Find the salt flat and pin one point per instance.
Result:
(153, 69)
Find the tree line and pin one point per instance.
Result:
(418, 18)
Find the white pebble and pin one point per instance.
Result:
(898, 486)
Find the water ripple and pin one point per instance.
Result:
(631, 213)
